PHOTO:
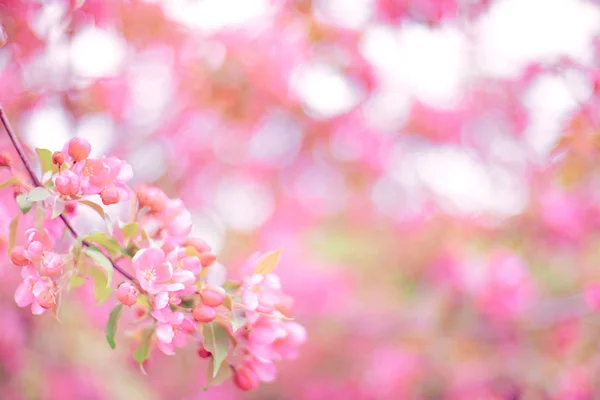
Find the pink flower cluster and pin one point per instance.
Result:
(79, 175)
(164, 267)
(41, 269)
(268, 334)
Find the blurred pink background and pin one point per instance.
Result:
(429, 168)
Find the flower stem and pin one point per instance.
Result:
(36, 181)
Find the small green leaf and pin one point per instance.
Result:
(38, 194)
(58, 206)
(216, 341)
(102, 261)
(267, 262)
(24, 203)
(26, 200)
(96, 207)
(111, 325)
(130, 230)
(76, 281)
(237, 320)
(109, 243)
(10, 181)
(221, 376)
(12, 232)
(231, 287)
(45, 157)
(102, 289)
(143, 350)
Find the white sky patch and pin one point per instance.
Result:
(516, 32)
(47, 127)
(430, 64)
(97, 52)
(324, 91)
(550, 100)
(213, 15)
(349, 14)
(243, 205)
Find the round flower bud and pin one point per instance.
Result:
(198, 244)
(5, 160)
(46, 299)
(213, 295)
(203, 353)
(18, 257)
(207, 259)
(127, 294)
(79, 149)
(67, 183)
(110, 196)
(58, 158)
(204, 313)
(245, 378)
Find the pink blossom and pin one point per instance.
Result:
(33, 290)
(67, 183)
(172, 330)
(153, 271)
(78, 149)
(107, 172)
(51, 265)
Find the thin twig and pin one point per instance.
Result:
(37, 182)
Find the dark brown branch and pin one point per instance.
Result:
(36, 181)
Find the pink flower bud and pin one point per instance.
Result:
(207, 259)
(204, 313)
(46, 299)
(18, 257)
(67, 183)
(127, 294)
(153, 198)
(52, 264)
(35, 250)
(70, 208)
(213, 295)
(58, 158)
(245, 378)
(203, 353)
(198, 244)
(5, 160)
(110, 196)
(79, 149)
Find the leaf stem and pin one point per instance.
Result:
(36, 181)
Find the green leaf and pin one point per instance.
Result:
(10, 181)
(268, 262)
(58, 206)
(130, 230)
(96, 207)
(237, 320)
(76, 281)
(221, 376)
(216, 341)
(111, 325)
(26, 200)
(38, 194)
(109, 243)
(102, 289)
(102, 261)
(12, 232)
(45, 157)
(24, 203)
(143, 350)
(231, 287)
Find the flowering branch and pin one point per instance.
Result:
(36, 181)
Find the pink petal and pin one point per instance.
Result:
(36, 309)
(164, 271)
(164, 333)
(23, 296)
(161, 300)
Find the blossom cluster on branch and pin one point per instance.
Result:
(242, 326)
